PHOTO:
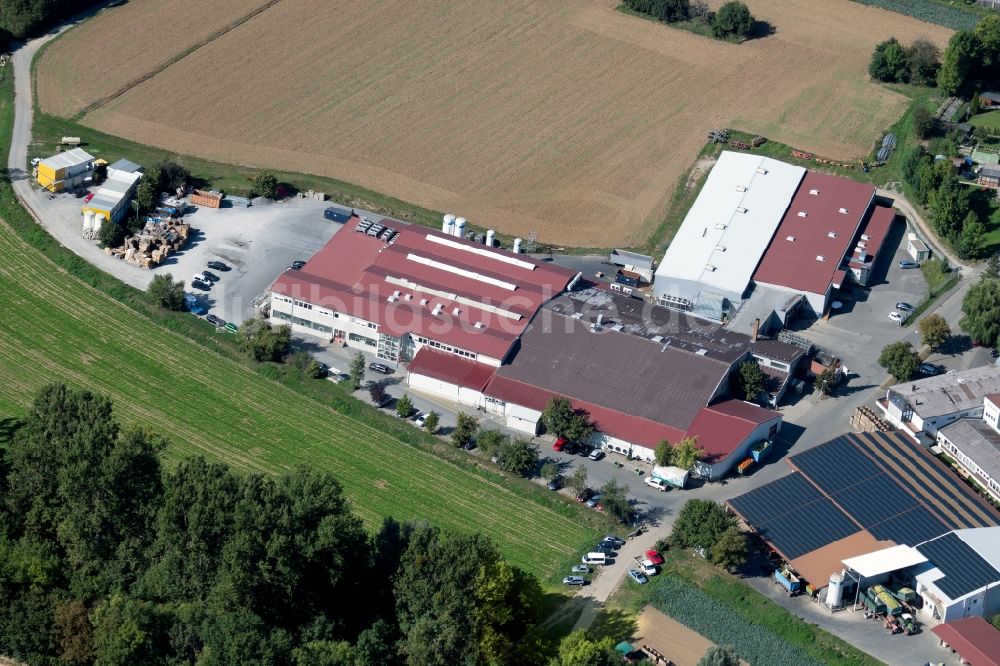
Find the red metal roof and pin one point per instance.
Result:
(994, 398)
(451, 368)
(633, 429)
(975, 639)
(357, 274)
(722, 427)
(823, 231)
(873, 234)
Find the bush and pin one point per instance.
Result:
(431, 422)
(111, 234)
(900, 360)
(465, 430)
(265, 184)
(263, 342)
(519, 457)
(309, 366)
(490, 441)
(550, 470)
(166, 293)
(923, 123)
(733, 19)
(404, 407)
(889, 62)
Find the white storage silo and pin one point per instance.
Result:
(517, 246)
(88, 220)
(460, 227)
(98, 221)
(490, 236)
(835, 592)
(448, 224)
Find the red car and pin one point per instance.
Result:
(87, 198)
(560, 444)
(654, 557)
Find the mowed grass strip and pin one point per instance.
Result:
(56, 328)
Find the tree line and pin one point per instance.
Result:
(21, 19)
(733, 19)
(107, 557)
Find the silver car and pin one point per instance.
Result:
(574, 580)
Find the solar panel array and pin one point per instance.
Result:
(964, 570)
(867, 493)
(793, 516)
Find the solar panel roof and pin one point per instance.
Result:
(964, 570)
(793, 516)
(868, 493)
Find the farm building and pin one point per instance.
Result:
(65, 171)
(974, 444)
(111, 200)
(989, 100)
(830, 234)
(975, 640)
(916, 248)
(866, 493)
(989, 176)
(711, 260)
(396, 290)
(921, 407)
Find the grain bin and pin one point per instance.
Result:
(98, 221)
(460, 227)
(835, 592)
(448, 224)
(88, 220)
(517, 246)
(490, 236)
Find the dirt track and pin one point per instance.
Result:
(570, 119)
(683, 646)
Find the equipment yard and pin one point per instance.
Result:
(570, 100)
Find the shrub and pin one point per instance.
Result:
(733, 18)
(165, 292)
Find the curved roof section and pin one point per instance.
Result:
(731, 222)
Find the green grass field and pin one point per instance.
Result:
(59, 328)
(988, 121)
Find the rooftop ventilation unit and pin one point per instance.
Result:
(862, 245)
(396, 293)
(762, 171)
(391, 299)
(437, 309)
(720, 226)
(423, 301)
(600, 319)
(710, 268)
(456, 312)
(741, 188)
(790, 238)
(594, 328)
(408, 297)
(831, 234)
(479, 324)
(577, 315)
(802, 213)
(842, 211)
(741, 209)
(820, 257)
(720, 248)
(617, 327)
(702, 352)
(657, 338)
(815, 193)
(865, 237)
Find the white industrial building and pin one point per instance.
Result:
(974, 445)
(920, 408)
(111, 201)
(712, 258)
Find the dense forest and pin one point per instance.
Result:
(26, 18)
(107, 557)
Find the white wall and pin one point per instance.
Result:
(613, 444)
(442, 389)
(742, 452)
(522, 419)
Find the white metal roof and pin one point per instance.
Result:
(884, 561)
(69, 158)
(732, 221)
(985, 541)
(113, 190)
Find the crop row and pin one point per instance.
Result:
(930, 11)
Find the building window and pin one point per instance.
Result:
(354, 337)
(278, 314)
(303, 304)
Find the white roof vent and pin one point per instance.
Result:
(396, 293)
(815, 193)
(790, 238)
(720, 248)
(408, 297)
(741, 188)
(710, 267)
(657, 338)
(831, 234)
(392, 299)
(720, 226)
(617, 327)
(862, 245)
(479, 324)
(865, 237)
(455, 312)
(842, 211)
(762, 171)
(802, 213)
(820, 257)
(423, 301)
(741, 209)
(577, 315)
(702, 352)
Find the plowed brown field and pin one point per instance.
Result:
(567, 118)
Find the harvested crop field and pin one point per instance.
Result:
(570, 119)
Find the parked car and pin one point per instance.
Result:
(200, 277)
(581, 569)
(232, 328)
(585, 495)
(199, 284)
(574, 580)
(904, 307)
(218, 266)
(323, 368)
(637, 576)
(649, 568)
(215, 321)
(906, 263)
(556, 483)
(596, 454)
(607, 550)
(210, 276)
(895, 316)
(654, 557)
(469, 445)
(929, 369)
(380, 368)
(420, 419)
(583, 450)
(87, 198)
(611, 543)
(594, 500)
(559, 444)
(617, 539)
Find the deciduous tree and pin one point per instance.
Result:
(733, 18)
(263, 342)
(518, 456)
(730, 550)
(981, 312)
(578, 480)
(923, 60)
(972, 239)
(900, 360)
(686, 453)
(357, 370)
(751, 379)
(466, 427)
(720, 655)
(934, 330)
(404, 406)
(165, 292)
(550, 470)
(889, 62)
(700, 524)
(615, 501)
(663, 453)
(431, 422)
(490, 441)
(265, 184)
(111, 234)
(578, 649)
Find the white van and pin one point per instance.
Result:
(595, 558)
